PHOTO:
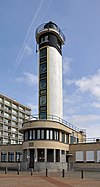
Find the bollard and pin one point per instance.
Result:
(46, 172)
(31, 171)
(5, 170)
(81, 174)
(18, 171)
(63, 173)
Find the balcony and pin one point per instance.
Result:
(52, 27)
(57, 119)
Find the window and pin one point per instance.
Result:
(30, 134)
(79, 156)
(26, 135)
(51, 135)
(44, 75)
(14, 118)
(14, 124)
(42, 100)
(38, 134)
(43, 108)
(11, 156)
(43, 84)
(89, 156)
(5, 127)
(1, 100)
(55, 135)
(14, 112)
(44, 59)
(44, 39)
(63, 137)
(20, 108)
(13, 135)
(42, 92)
(43, 52)
(98, 156)
(7, 115)
(47, 134)
(14, 106)
(67, 138)
(34, 135)
(43, 115)
(18, 156)
(5, 134)
(7, 102)
(13, 130)
(43, 68)
(71, 139)
(42, 134)
(3, 156)
(40, 155)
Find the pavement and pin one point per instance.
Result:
(38, 179)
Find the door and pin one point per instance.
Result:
(31, 164)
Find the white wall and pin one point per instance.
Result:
(54, 82)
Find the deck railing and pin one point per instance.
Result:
(57, 119)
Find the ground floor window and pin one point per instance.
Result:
(50, 155)
(57, 155)
(11, 156)
(79, 156)
(98, 156)
(18, 156)
(3, 157)
(41, 155)
(89, 156)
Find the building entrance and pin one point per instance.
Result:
(31, 164)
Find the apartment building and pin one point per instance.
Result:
(12, 115)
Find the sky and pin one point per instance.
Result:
(79, 20)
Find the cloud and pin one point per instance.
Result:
(69, 82)
(28, 78)
(90, 84)
(66, 64)
(93, 132)
(95, 104)
(82, 103)
(90, 122)
(34, 108)
(88, 118)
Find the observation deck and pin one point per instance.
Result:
(52, 28)
(56, 119)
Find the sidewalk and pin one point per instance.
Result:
(24, 179)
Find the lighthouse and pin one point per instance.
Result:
(50, 39)
(47, 137)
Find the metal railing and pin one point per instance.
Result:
(56, 28)
(91, 140)
(57, 119)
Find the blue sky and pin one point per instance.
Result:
(80, 23)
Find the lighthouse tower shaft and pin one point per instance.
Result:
(50, 40)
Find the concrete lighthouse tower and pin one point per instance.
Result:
(50, 39)
(47, 138)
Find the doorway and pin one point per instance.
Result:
(31, 164)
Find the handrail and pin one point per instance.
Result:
(91, 140)
(57, 119)
(42, 27)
